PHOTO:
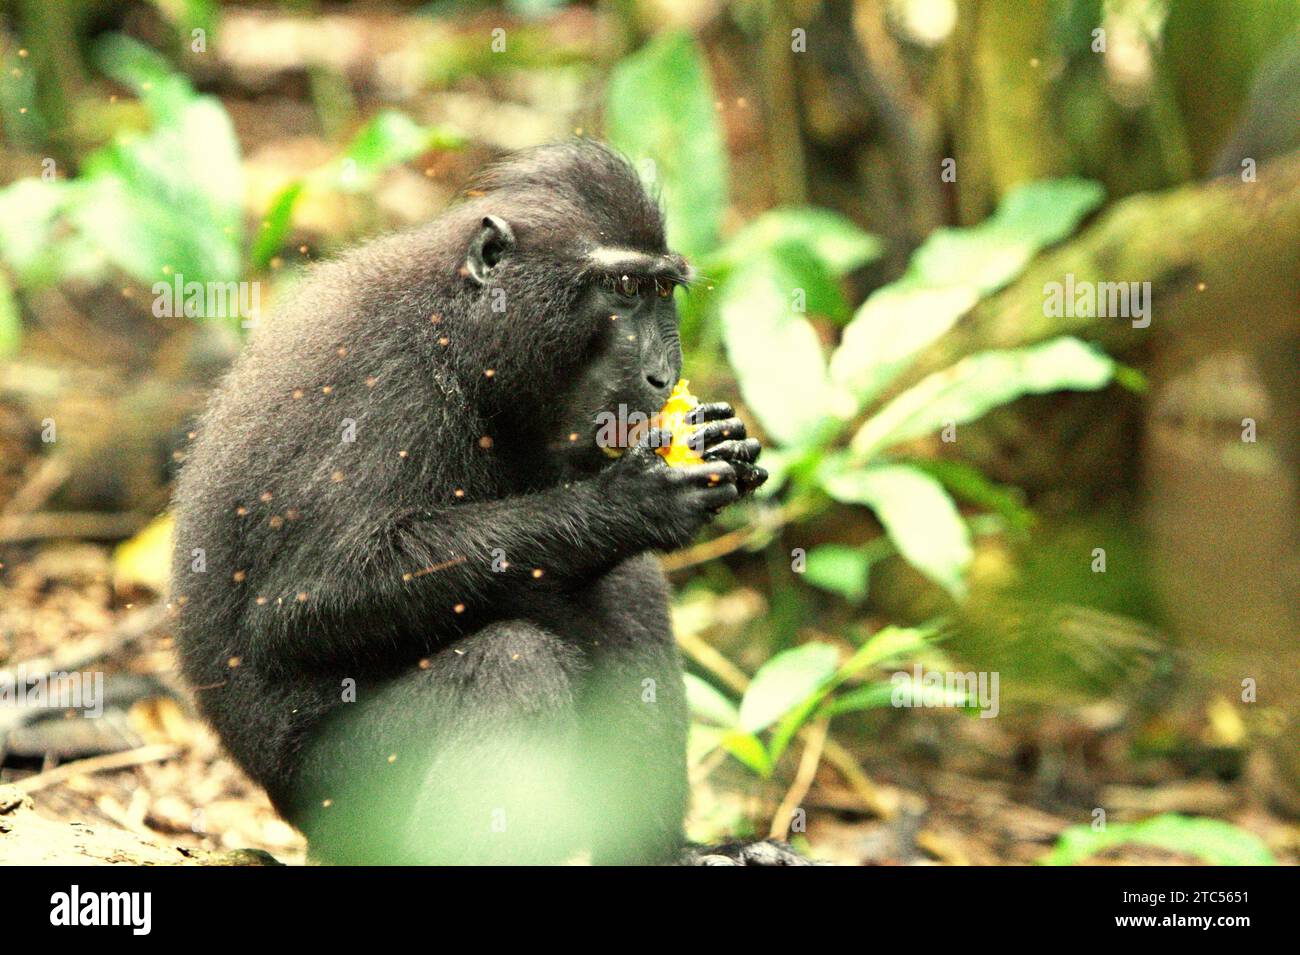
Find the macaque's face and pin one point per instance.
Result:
(631, 360)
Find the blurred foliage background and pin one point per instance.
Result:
(1098, 510)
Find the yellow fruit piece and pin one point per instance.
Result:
(146, 559)
(671, 416)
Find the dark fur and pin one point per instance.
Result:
(468, 680)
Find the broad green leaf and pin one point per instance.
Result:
(969, 485)
(840, 569)
(903, 690)
(275, 225)
(891, 328)
(535, 8)
(748, 749)
(876, 696)
(988, 256)
(1049, 210)
(889, 643)
(168, 201)
(918, 515)
(164, 91)
(188, 15)
(709, 705)
(784, 681)
(1215, 841)
(659, 111)
(775, 352)
(11, 321)
(389, 139)
(701, 740)
(979, 383)
(31, 242)
(810, 287)
(833, 239)
(793, 719)
(29, 210)
(921, 693)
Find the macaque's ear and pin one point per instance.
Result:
(490, 245)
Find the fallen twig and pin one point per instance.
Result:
(803, 779)
(87, 525)
(155, 753)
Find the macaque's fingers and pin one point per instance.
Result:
(749, 477)
(746, 450)
(709, 474)
(710, 411)
(706, 436)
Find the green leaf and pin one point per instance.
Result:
(709, 705)
(701, 740)
(968, 484)
(988, 256)
(886, 645)
(11, 321)
(902, 690)
(660, 107)
(775, 352)
(784, 681)
(749, 750)
(389, 139)
(839, 244)
(1049, 210)
(840, 569)
(918, 515)
(189, 14)
(891, 328)
(809, 286)
(794, 718)
(31, 242)
(979, 383)
(147, 72)
(171, 197)
(275, 225)
(1215, 841)
(876, 696)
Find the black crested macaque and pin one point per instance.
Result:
(416, 589)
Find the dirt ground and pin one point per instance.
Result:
(147, 782)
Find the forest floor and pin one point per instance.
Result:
(148, 783)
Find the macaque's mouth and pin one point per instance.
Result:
(628, 433)
(616, 429)
(611, 435)
(611, 431)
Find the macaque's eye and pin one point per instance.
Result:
(629, 286)
(664, 288)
